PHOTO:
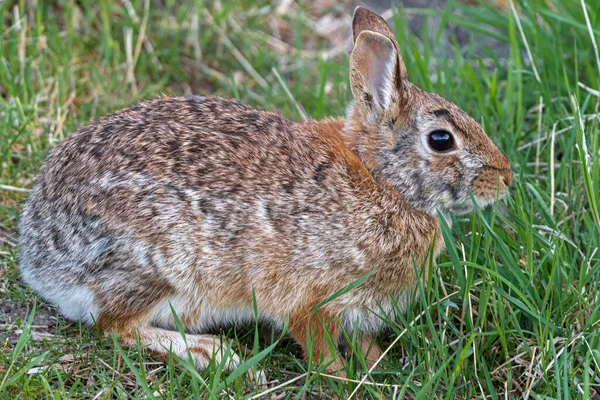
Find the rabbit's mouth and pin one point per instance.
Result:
(491, 184)
(486, 189)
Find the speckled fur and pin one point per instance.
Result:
(198, 202)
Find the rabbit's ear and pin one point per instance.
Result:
(374, 74)
(366, 20)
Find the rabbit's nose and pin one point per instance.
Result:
(507, 176)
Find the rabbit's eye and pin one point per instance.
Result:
(441, 140)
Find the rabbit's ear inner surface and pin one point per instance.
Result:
(374, 72)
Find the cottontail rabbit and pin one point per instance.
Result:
(204, 203)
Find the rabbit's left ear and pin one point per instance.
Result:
(377, 72)
(373, 71)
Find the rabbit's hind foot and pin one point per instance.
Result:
(164, 343)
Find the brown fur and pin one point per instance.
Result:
(205, 204)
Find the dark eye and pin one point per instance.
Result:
(441, 140)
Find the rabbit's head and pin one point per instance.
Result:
(428, 148)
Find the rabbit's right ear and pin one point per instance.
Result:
(377, 72)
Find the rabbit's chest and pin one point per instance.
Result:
(372, 318)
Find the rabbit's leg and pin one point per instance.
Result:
(316, 328)
(370, 349)
(202, 348)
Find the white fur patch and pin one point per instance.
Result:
(263, 216)
(77, 303)
(363, 319)
(162, 315)
(371, 320)
(74, 302)
(209, 317)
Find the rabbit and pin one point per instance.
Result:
(205, 205)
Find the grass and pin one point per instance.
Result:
(512, 309)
